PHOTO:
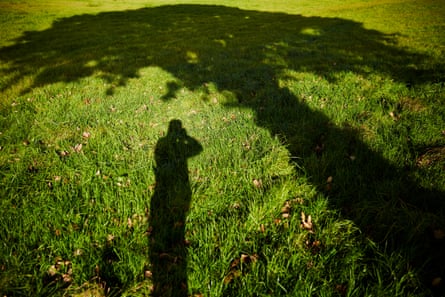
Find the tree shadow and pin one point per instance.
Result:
(168, 209)
(245, 54)
(200, 43)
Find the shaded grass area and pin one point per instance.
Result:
(297, 115)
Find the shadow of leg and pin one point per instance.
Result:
(168, 209)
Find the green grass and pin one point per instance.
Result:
(290, 110)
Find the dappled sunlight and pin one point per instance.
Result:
(118, 44)
(255, 61)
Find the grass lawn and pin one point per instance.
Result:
(222, 148)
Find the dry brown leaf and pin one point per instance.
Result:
(262, 229)
(236, 205)
(342, 289)
(231, 276)
(234, 263)
(52, 270)
(285, 215)
(439, 234)
(258, 183)
(277, 221)
(245, 258)
(328, 187)
(67, 278)
(63, 153)
(78, 252)
(306, 222)
(77, 148)
(298, 200)
(286, 208)
(393, 115)
(437, 281)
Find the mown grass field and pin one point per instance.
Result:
(222, 148)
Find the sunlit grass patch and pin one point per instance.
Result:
(318, 162)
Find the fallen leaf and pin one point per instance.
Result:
(254, 257)
(78, 148)
(86, 134)
(313, 245)
(67, 278)
(63, 153)
(52, 270)
(437, 281)
(78, 252)
(245, 258)
(342, 289)
(142, 108)
(298, 200)
(328, 187)
(231, 276)
(286, 208)
(235, 263)
(236, 205)
(148, 274)
(258, 183)
(262, 229)
(306, 223)
(393, 115)
(439, 234)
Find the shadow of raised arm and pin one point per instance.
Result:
(168, 210)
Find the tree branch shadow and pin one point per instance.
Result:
(245, 53)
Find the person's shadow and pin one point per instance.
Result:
(168, 209)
